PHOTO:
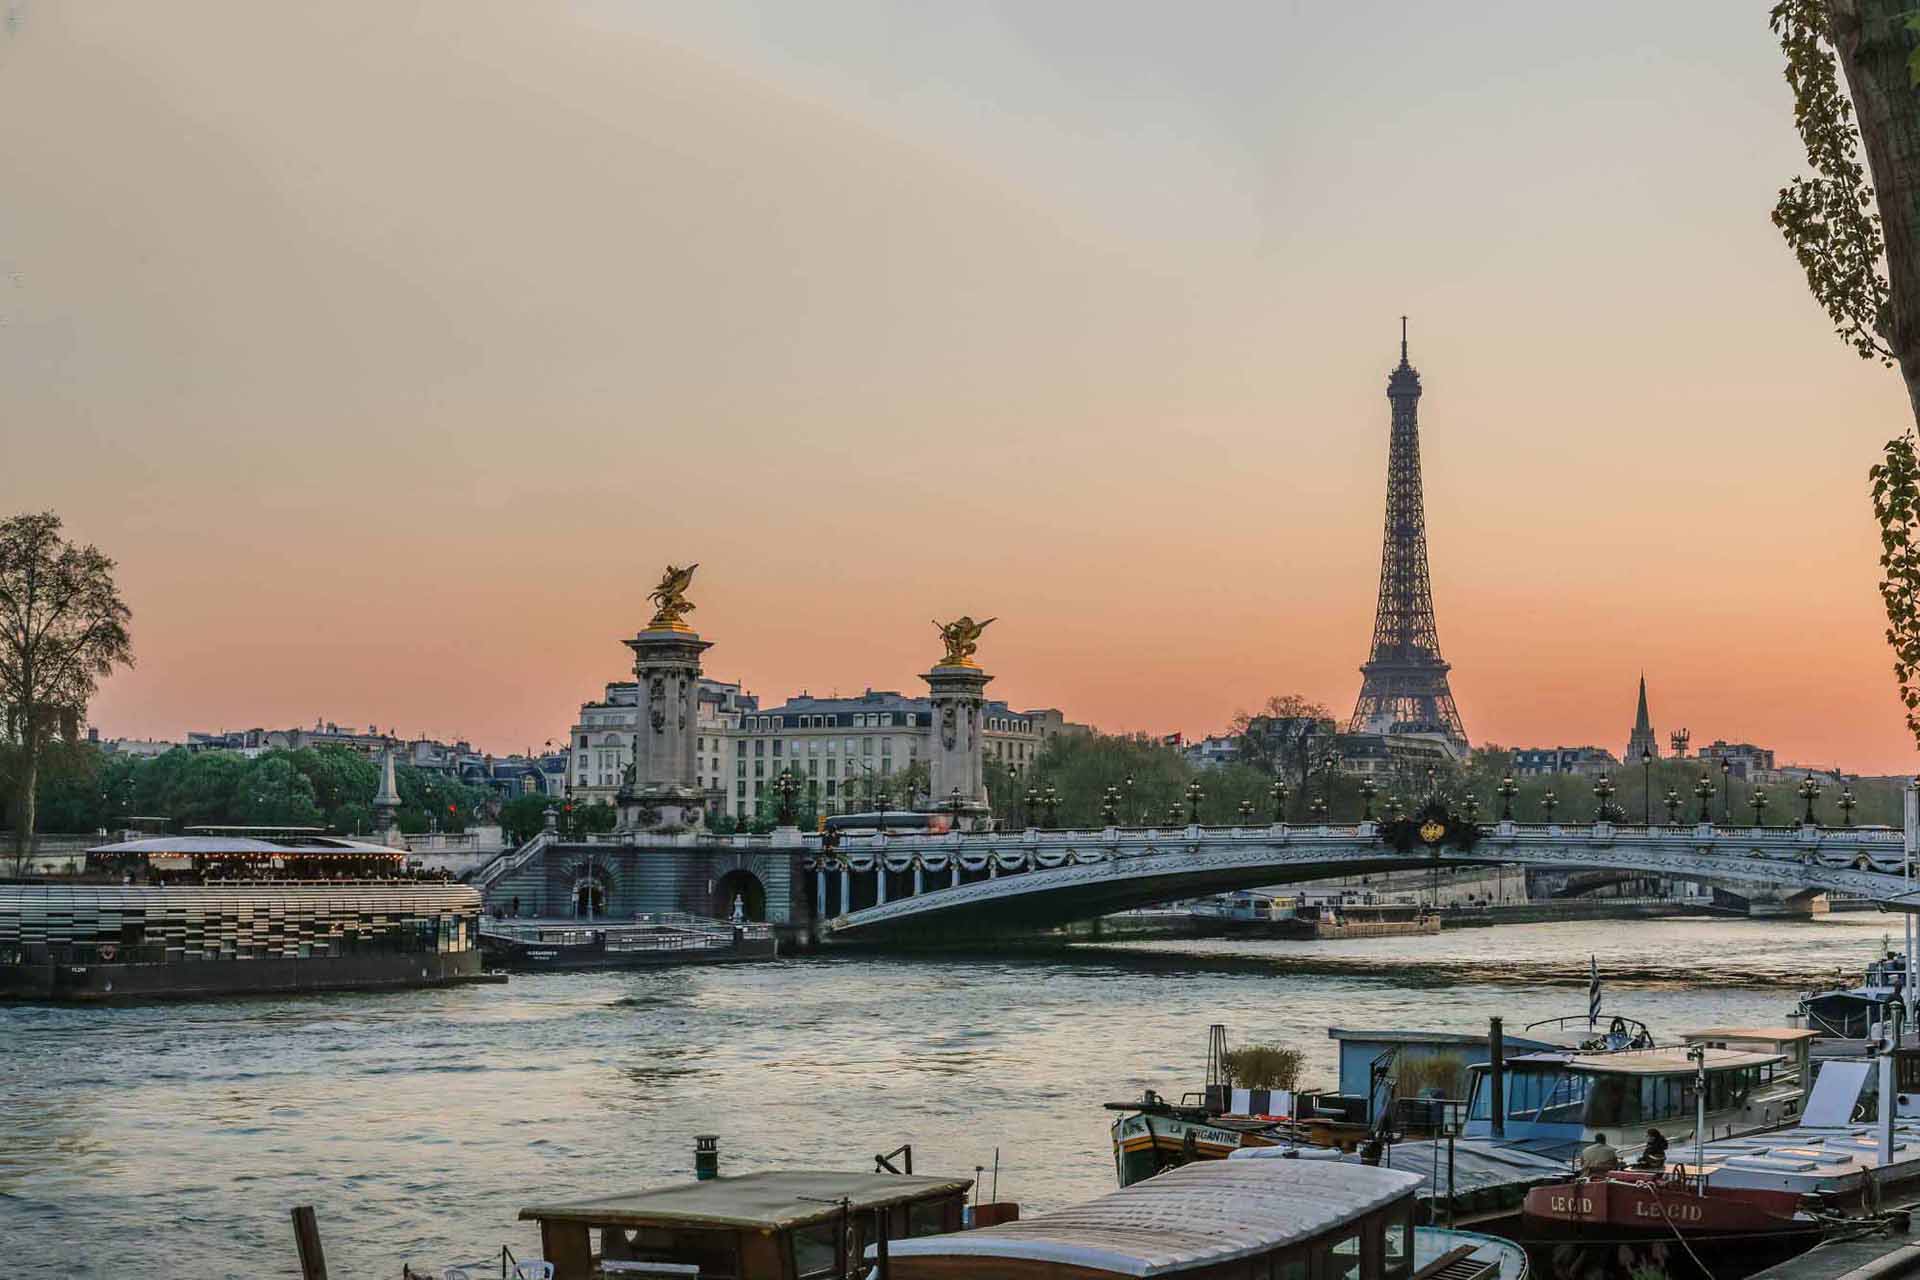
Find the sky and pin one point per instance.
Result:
(393, 350)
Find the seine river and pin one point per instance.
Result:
(171, 1140)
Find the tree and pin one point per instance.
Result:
(1857, 238)
(1279, 739)
(523, 817)
(63, 628)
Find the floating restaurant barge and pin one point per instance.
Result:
(206, 914)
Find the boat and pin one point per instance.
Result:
(1632, 1203)
(649, 939)
(787, 1225)
(1285, 1219)
(226, 910)
(1852, 1013)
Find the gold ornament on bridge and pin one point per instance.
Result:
(671, 597)
(961, 637)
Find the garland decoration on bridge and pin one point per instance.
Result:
(1429, 829)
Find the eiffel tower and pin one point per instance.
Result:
(1404, 686)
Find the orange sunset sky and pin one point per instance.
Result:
(393, 349)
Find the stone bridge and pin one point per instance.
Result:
(894, 885)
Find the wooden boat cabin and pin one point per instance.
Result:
(757, 1226)
(1220, 1220)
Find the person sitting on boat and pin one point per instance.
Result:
(1599, 1157)
(1654, 1154)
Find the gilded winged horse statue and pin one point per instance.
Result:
(961, 636)
(671, 596)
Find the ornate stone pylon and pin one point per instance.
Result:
(957, 688)
(386, 801)
(659, 790)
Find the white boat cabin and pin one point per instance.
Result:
(1220, 1220)
(1553, 1099)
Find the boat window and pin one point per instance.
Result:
(1613, 1102)
(927, 1218)
(816, 1249)
(1397, 1240)
(1549, 1096)
(1341, 1259)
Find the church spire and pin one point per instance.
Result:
(1642, 741)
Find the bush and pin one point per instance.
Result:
(1446, 1072)
(1262, 1066)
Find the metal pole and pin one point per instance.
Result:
(1699, 1055)
(1496, 1084)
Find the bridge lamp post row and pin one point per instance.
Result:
(1367, 792)
(1110, 806)
(1809, 791)
(1549, 802)
(1278, 791)
(1603, 792)
(1194, 795)
(1759, 803)
(1507, 789)
(1673, 807)
(1704, 789)
(1646, 786)
(1847, 803)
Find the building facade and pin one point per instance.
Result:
(1741, 760)
(846, 750)
(1581, 762)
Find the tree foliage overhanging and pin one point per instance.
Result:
(83, 789)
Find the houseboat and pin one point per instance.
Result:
(795, 1225)
(227, 911)
(660, 938)
(1852, 1013)
(1224, 1220)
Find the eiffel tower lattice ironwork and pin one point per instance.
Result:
(1404, 682)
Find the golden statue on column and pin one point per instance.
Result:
(961, 637)
(671, 597)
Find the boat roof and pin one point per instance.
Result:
(1773, 1035)
(759, 1201)
(1467, 1038)
(1666, 1062)
(312, 844)
(1198, 1215)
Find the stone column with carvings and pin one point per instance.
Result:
(660, 791)
(957, 688)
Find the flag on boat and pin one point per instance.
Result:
(1593, 989)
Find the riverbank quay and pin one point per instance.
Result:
(1879, 1258)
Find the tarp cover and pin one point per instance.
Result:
(1194, 1216)
(766, 1201)
(1834, 1093)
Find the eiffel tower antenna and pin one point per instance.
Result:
(1403, 686)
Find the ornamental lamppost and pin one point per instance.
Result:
(1194, 794)
(1173, 815)
(785, 787)
(1847, 803)
(1759, 803)
(1393, 807)
(1704, 789)
(1329, 766)
(1549, 802)
(954, 802)
(1367, 792)
(1433, 782)
(1246, 813)
(1133, 814)
(1809, 791)
(1110, 805)
(1603, 792)
(1319, 809)
(1471, 803)
(1278, 791)
(1646, 786)
(1508, 789)
(1673, 807)
(1051, 799)
(1030, 814)
(1726, 790)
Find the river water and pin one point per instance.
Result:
(170, 1140)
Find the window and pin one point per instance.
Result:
(739, 746)
(759, 768)
(1397, 1241)
(816, 1249)
(928, 1218)
(849, 746)
(777, 744)
(1342, 1259)
(759, 746)
(739, 768)
(829, 784)
(583, 739)
(866, 746)
(813, 768)
(832, 766)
